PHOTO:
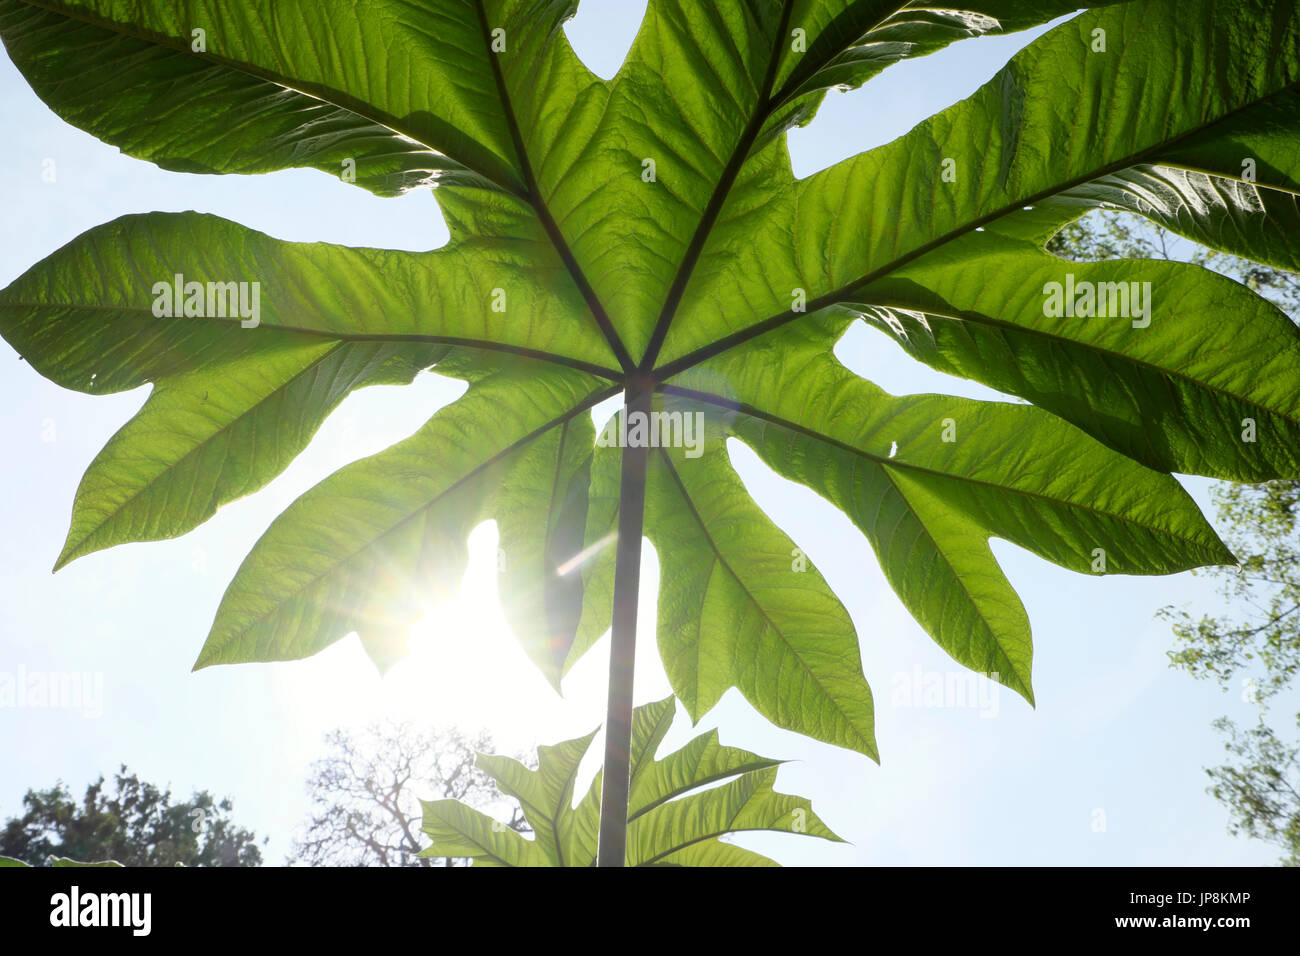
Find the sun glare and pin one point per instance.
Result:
(465, 667)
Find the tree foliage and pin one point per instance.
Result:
(1255, 647)
(128, 821)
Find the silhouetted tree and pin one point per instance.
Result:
(130, 821)
(366, 794)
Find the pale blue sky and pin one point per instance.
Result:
(1115, 730)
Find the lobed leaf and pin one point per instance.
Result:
(649, 230)
(672, 819)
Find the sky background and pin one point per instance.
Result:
(1107, 770)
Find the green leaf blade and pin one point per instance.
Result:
(679, 817)
(736, 611)
(398, 525)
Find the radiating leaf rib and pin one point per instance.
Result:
(190, 114)
(719, 55)
(85, 318)
(546, 796)
(849, 41)
(456, 103)
(759, 112)
(370, 87)
(1017, 143)
(935, 557)
(735, 611)
(395, 536)
(1165, 531)
(701, 762)
(461, 831)
(1264, 134)
(207, 437)
(553, 232)
(1235, 217)
(1175, 392)
(929, 509)
(746, 803)
(834, 30)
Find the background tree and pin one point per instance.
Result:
(1256, 644)
(1114, 234)
(130, 821)
(366, 794)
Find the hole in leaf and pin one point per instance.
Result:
(887, 105)
(602, 33)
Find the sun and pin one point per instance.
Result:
(465, 667)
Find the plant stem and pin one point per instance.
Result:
(612, 848)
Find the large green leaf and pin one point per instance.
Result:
(736, 606)
(648, 232)
(1171, 388)
(234, 405)
(1239, 217)
(849, 41)
(676, 814)
(85, 317)
(405, 90)
(212, 435)
(399, 520)
(736, 610)
(929, 478)
(1017, 142)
